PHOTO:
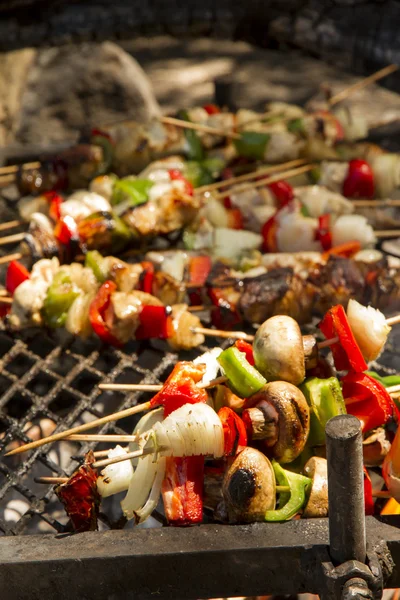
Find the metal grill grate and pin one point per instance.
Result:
(44, 377)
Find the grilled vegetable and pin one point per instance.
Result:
(369, 328)
(325, 399)
(298, 485)
(317, 505)
(278, 350)
(286, 420)
(249, 487)
(244, 378)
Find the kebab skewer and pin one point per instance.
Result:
(280, 443)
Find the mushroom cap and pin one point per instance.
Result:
(278, 350)
(293, 414)
(249, 487)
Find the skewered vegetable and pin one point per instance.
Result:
(271, 344)
(249, 487)
(317, 470)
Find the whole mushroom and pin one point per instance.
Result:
(249, 487)
(280, 417)
(279, 351)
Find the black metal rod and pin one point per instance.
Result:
(345, 489)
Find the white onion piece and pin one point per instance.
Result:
(144, 476)
(369, 328)
(200, 427)
(348, 228)
(386, 169)
(115, 478)
(152, 501)
(231, 243)
(212, 365)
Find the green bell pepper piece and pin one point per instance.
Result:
(95, 261)
(243, 377)
(325, 399)
(195, 146)
(315, 174)
(108, 152)
(195, 172)
(299, 488)
(60, 296)
(252, 144)
(386, 381)
(281, 479)
(296, 126)
(136, 191)
(121, 234)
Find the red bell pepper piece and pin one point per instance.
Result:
(247, 349)
(212, 109)
(268, 232)
(155, 322)
(182, 490)
(369, 501)
(323, 233)
(282, 191)
(55, 202)
(176, 175)
(199, 269)
(235, 218)
(235, 436)
(224, 314)
(180, 388)
(368, 400)
(98, 313)
(16, 274)
(346, 353)
(147, 277)
(359, 182)
(66, 230)
(99, 132)
(80, 496)
(347, 250)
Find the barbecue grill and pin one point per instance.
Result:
(47, 377)
(43, 376)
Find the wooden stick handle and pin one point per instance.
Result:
(363, 83)
(199, 127)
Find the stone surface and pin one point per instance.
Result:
(182, 73)
(51, 94)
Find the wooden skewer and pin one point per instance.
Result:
(128, 456)
(199, 127)
(5, 300)
(54, 480)
(387, 233)
(9, 257)
(197, 308)
(249, 176)
(12, 239)
(140, 387)
(277, 177)
(10, 169)
(6, 180)
(61, 435)
(99, 437)
(10, 225)
(363, 83)
(241, 335)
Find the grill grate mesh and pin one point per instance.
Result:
(43, 377)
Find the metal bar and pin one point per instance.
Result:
(201, 562)
(345, 489)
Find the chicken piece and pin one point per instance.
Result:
(124, 317)
(183, 321)
(168, 289)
